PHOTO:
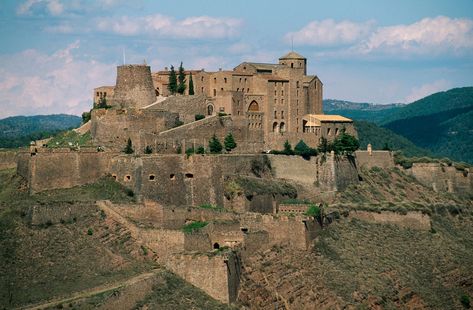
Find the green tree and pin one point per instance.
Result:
(181, 86)
(324, 146)
(148, 150)
(229, 142)
(85, 117)
(129, 147)
(345, 143)
(200, 150)
(288, 148)
(191, 85)
(304, 150)
(215, 146)
(172, 83)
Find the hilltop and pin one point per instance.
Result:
(442, 123)
(17, 131)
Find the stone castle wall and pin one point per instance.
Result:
(381, 159)
(217, 275)
(443, 178)
(327, 172)
(113, 127)
(412, 219)
(296, 232)
(7, 159)
(62, 168)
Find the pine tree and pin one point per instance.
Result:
(172, 83)
(288, 148)
(181, 87)
(229, 142)
(129, 147)
(191, 85)
(215, 146)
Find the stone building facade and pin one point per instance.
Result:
(267, 104)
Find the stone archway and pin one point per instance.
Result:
(210, 109)
(253, 107)
(275, 127)
(282, 127)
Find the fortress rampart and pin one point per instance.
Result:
(442, 178)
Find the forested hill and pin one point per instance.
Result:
(441, 122)
(18, 131)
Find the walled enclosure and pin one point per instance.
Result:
(370, 159)
(442, 178)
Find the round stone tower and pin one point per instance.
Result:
(134, 88)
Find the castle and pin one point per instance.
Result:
(267, 104)
(262, 105)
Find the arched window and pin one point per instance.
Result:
(215, 92)
(282, 127)
(210, 109)
(275, 127)
(253, 107)
(275, 114)
(292, 65)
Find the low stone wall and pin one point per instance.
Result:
(413, 219)
(55, 213)
(443, 178)
(217, 275)
(382, 159)
(293, 208)
(7, 159)
(294, 231)
(327, 171)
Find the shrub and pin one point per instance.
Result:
(465, 301)
(178, 123)
(229, 142)
(288, 148)
(200, 150)
(215, 146)
(179, 149)
(129, 147)
(129, 192)
(199, 117)
(190, 151)
(345, 143)
(148, 149)
(85, 117)
(222, 114)
(304, 150)
(194, 226)
(90, 232)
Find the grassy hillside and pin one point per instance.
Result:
(380, 137)
(51, 261)
(18, 131)
(360, 265)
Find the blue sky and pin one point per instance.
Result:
(54, 52)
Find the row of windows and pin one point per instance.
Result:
(224, 80)
(254, 125)
(276, 114)
(276, 101)
(279, 127)
(152, 177)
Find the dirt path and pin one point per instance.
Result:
(93, 291)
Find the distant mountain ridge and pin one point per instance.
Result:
(18, 131)
(441, 122)
(334, 104)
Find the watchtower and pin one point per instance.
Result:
(134, 87)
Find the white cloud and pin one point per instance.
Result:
(54, 7)
(429, 36)
(329, 32)
(424, 90)
(35, 83)
(198, 27)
